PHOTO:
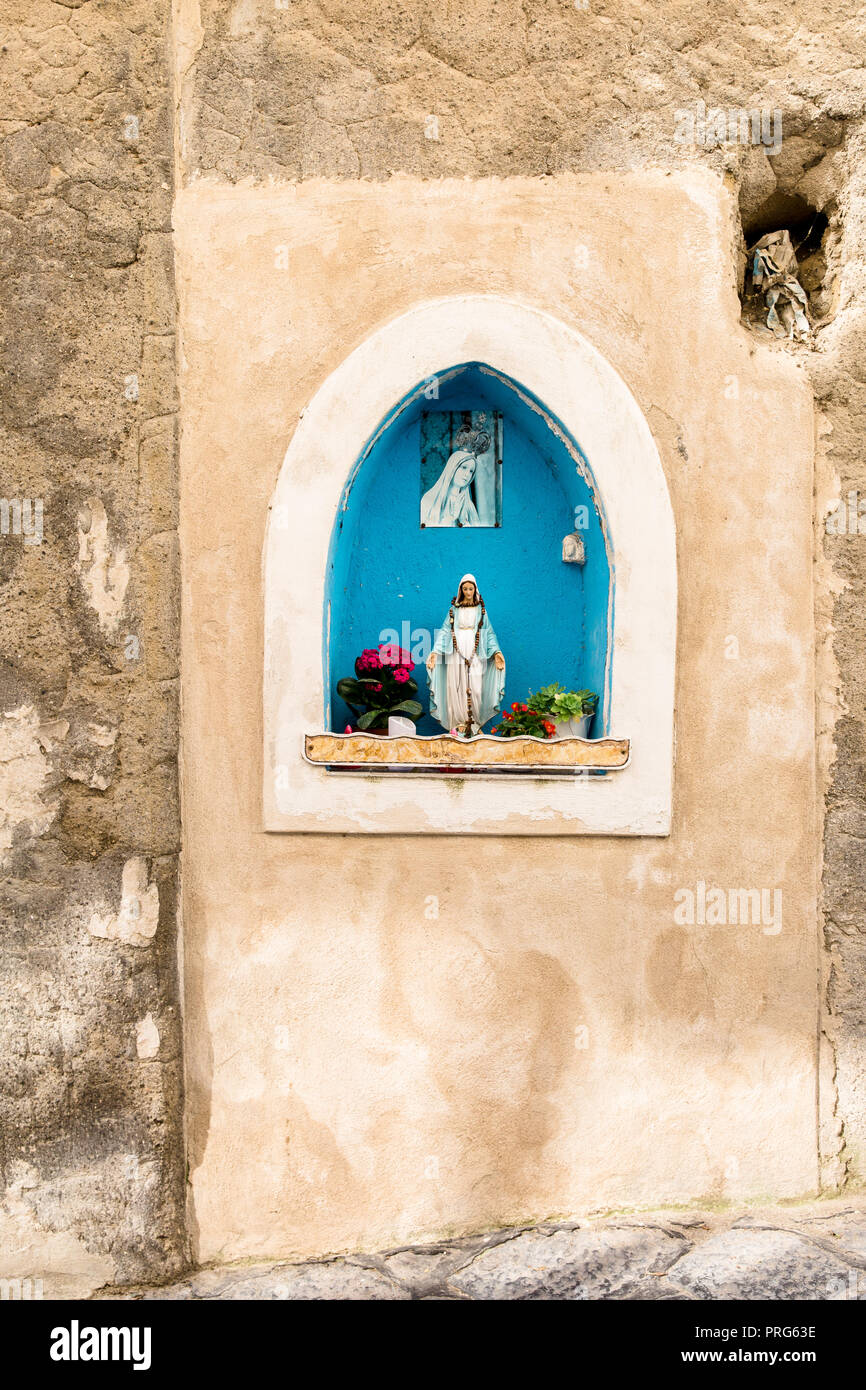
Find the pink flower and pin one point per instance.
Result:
(389, 654)
(401, 674)
(377, 686)
(348, 729)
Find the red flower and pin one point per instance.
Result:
(551, 728)
(508, 716)
(515, 707)
(401, 674)
(523, 708)
(377, 686)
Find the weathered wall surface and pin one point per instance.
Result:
(290, 91)
(361, 1071)
(90, 1119)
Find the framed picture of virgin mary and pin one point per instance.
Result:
(461, 468)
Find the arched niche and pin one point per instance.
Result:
(533, 363)
(390, 578)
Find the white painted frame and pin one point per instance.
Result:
(583, 391)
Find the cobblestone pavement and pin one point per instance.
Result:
(815, 1251)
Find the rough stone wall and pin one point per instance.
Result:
(91, 1121)
(291, 89)
(288, 89)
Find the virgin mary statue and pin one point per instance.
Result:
(466, 669)
(449, 500)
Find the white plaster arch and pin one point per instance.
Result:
(584, 392)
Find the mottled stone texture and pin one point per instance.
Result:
(91, 1110)
(297, 90)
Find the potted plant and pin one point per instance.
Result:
(570, 710)
(520, 719)
(382, 686)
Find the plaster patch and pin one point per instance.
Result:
(24, 775)
(147, 1039)
(244, 20)
(62, 1264)
(104, 572)
(188, 39)
(188, 34)
(136, 921)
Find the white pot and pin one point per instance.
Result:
(573, 728)
(398, 726)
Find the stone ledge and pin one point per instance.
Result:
(456, 756)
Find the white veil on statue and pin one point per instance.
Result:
(449, 502)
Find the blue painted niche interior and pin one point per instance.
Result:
(386, 572)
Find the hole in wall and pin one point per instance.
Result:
(781, 209)
(795, 191)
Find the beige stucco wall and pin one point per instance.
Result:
(360, 1070)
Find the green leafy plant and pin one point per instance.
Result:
(558, 703)
(520, 719)
(382, 686)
